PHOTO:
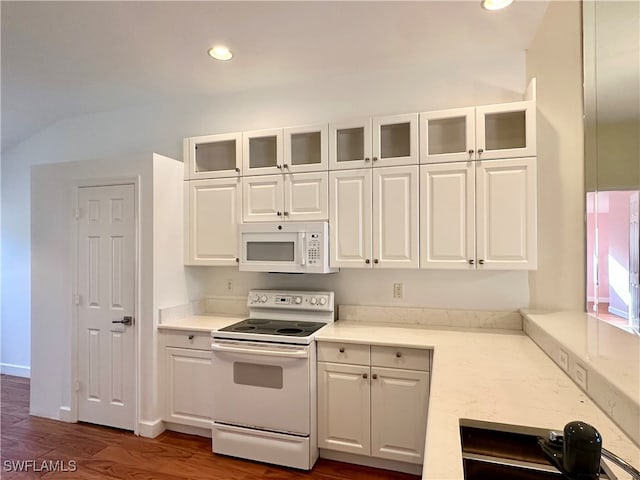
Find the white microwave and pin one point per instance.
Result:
(289, 247)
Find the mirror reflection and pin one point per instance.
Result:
(611, 33)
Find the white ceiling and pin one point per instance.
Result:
(61, 59)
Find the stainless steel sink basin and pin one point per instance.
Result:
(499, 451)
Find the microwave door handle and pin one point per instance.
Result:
(303, 249)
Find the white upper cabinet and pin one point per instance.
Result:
(506, 205)
(447, 216)
(306, 149)
(350, 211)
(395, 140)
(447, 135)
(212, 211)
(262, 152)
(395, 217)
(279, 198)
(505, 131)
(350, 144)
(213, 156)
(486, 224)
(374, 142)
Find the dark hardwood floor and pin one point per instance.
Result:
(96, 452)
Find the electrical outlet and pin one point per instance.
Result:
(229, 285)
(398, 290)
(564, 360)
(581, 376)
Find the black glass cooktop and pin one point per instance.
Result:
(287, 328)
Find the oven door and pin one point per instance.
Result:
(272, 252)
(262, 385)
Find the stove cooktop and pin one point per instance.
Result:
(286, 328)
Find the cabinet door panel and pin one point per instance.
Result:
(306, 196)
(506, 214)
(306, 148)
(395, 217)
(447, 216)
(262, 152)
(395, 140)
(188, 378)
(344, 408)
(350, 144)
(262, 198)
(214, 213)
(213, 156)
(447, 135)
(399, 402)
(506, 130)
(350, 218)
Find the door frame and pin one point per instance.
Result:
(72, 415)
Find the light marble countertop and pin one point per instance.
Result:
(497, 376)
(201, 323)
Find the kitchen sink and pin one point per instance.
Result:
(500, 451)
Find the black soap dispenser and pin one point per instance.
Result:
(581, 450)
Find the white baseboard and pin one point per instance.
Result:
(411, 468)
(66, 415)
(15, 370)
(620, 313)
(189, 430)
(150, 429)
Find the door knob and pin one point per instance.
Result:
(125, 321)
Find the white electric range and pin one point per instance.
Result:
(265, 379)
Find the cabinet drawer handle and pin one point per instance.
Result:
(341, 349)
(374, 376)
(364, 375)
(398, 354)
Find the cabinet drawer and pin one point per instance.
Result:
(343, 353)
(186, 339)
(400, 357)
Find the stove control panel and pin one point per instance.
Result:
(291, 300)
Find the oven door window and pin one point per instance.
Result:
(253, 374)
(271, 251)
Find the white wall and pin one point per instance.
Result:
(160, 128)
(555, 59)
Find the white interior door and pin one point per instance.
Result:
(106, 289)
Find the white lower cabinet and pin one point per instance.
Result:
(186, 379)
(373, 400)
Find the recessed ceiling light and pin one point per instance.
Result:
(495, 4)
(220, 53)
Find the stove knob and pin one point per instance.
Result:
(313, 300)
(263, 298)
(255, 298)
(323, 300)
(298, 300)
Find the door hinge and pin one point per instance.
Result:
(76, 299)
(76, 213)
(76, 386)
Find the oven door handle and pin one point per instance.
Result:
(269, 352)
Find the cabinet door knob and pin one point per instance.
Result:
(471, 151)
(481, 262)
(364, 375)
(366, 159)
(237, 260)
(375, 159)
(374, 376)
(398, 354)
(471, 262)
(375, 260)
(341, 349)
(279, 213)
(190, 337)
(285, 165)
(238, 169)
(480, 150)
(278, 166)
(367, 261)
(286, 214)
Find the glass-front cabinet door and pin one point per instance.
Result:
(350, 144)
(506, 130)
(395, 140)
(306, 149)
(262, 152)
(448, 135)
(213, 156)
